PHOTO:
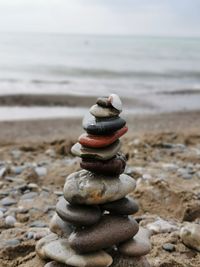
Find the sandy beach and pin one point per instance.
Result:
(163, 156)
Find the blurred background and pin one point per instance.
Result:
(57, 55)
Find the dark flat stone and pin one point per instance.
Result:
(113, 167)
(110, 230)
(102, 126)
(123, 206)
(79, 215)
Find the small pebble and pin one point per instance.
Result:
(16, 153)
(12, 242)
(169, 247)
(38, 224)
(41, 171)
(10, 221)
(8, 201)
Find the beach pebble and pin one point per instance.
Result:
(94, 153)
(123, 206)
(115, 101)
(78, 214)
(8, 201)
(38, 224)
(103, 101)
(110, 230)
(59, 227)
(103, 112)
(17, 169)
(190, 235)
(113, 167)
(10, 221)
(16, 153)
(102, 126)
(12, 243)
(58, 249)
(162, 226)
(95, 141)
(169, 247)
(50, 152)
(138, 246)
(84, 187)
(2, 171)
(41, 171)
(29, 195)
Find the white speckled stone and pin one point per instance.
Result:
(84, 187)
(115, 102)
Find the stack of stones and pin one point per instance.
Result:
(92, 226)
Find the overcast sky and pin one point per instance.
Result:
(143, 17)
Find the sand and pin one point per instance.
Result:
(152, 144)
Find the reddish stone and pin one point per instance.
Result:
(113, 167)
(98, 141)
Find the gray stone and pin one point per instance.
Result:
(80, 215)
(29, 195)
(138, 246)
(162, 226)
(84, 187)
(41, 171)
(10, 221)
(103, 112)
(190, 235)
(16, 153)
(109, 231)
(12, 242)
(96, 153)
(58, 249)
(60, 227)
(39, 224)
(169, 247)
(8, 201)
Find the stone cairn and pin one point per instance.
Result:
(92, 226)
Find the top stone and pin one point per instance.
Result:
(112, 101)
(115, 102)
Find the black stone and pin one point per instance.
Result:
(102, 126)
(123, 206)
(79, 215)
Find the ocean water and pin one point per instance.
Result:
(137, 67)
(92, 64)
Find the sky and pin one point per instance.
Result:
(123, 17)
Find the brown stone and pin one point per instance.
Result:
(110, 230)
(113, 167)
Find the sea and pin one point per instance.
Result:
(162, 73)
